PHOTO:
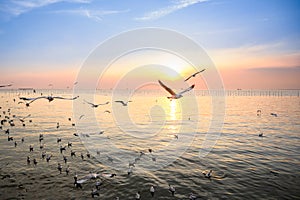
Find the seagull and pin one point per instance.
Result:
(123, 103)
(172, 189)
(8, 85)
(174, 95)
(129, 171)
(108, 175)
(193, 75)
(152, 190)
(207, 174)
(96, 105)
(258, 112)
(110, 159)
(67, 170)
(273, 114)
(98, 184)
(138, 195)
(22, 119)
(192, 196)
(95, 193)
(49, 98)
(91, 176)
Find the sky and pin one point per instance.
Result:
(254, 44)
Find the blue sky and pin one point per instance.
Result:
(242, 37)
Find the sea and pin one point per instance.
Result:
(249, 139)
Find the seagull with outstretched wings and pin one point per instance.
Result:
(193, 75)
(123, 103)
(96, 105)
(174, 95)
(49, 98)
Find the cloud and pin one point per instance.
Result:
(282, 69)
(92, 14)
(18, 7)
(277, 53)
(177, 5)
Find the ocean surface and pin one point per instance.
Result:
(171, 136)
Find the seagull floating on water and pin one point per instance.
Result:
(152, 190)
(172, 189)
(193, 75)
(95, 193)
(174, 95)
(207, 174)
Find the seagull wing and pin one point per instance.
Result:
(65, 98)
(202, 70)
(26, 99)
(81, 116)
(188, 77)
(122, 102)
(27, 116)
(186, 90)
(6, 85)
(34, 99)
(101, 104)
(193, 75)
(89, 102)
(82, 180)
(167, 88)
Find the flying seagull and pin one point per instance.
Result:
(8, 85)
(193, 75)
(49, 98)
(123, 103)
(174, 95)
(96, 105)
(22, 119)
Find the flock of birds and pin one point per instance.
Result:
(8, 121)
(258, 113)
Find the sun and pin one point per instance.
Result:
(179, 67)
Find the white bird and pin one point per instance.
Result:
(123, 103)
(108, 175)
(174, 95)
(193, 75)
(152, 190)
(89, 177)
(172, 189)
(207, 174)
(96, 105)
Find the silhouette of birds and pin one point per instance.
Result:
(96, 105)
(123, 102)
(193, 75)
